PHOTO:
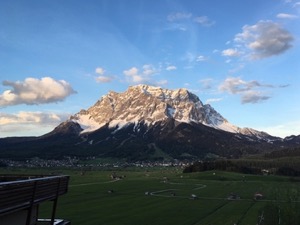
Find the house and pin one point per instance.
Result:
(233, 196)
(193, 197)
(258, 196)
(21, 195)
(265, 172)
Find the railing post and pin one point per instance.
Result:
(28, 220)
(55, 202)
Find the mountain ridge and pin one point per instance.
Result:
(118, 109)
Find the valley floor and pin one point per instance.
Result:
(167, 196)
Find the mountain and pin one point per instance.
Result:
(145, 123)
(150, 105)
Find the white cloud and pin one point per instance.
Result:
(99, 70)
(103, 79)
(34, 91)
(252, 96)
(201, 58)
(211, 100)
(131, 72)
(133, 76)
(190, 57)
(264, 39)
(286, 16)
(176, 26)
(148, 70)
(204, 21)
(237, 68)
(206, 83)
(230, 52)
(162, 82)
(179, 20)
(29, 123)
(236, 85)
(283, 129)
(297, 4)
(144, 75)
(171, 67)
(45, 118)
(250, 91)
(179, 16)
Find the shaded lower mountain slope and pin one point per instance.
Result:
(137, 141)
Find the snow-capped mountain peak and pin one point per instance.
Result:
(149, 104)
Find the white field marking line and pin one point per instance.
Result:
(214, 198)
(87, 184)
(161, 191)
(165, 196)
(201, 186)
(168, 196)
(196, 188)
(156, 193)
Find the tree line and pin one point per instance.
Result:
(250, 166)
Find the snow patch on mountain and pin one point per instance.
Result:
(87, 123)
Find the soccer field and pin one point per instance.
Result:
(169, 197)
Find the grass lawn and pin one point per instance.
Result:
(168, 199)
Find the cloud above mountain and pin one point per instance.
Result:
(204, 21)
(249, 91)
(171, 67)
(144, 75)
(24, 117)
(182, 20)
(286, 16)
(264, 39)
(34, 91)
(102, 77)
(230, 52)
(134, 76)
(179, 16)
(25, 121)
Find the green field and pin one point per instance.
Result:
(168, 201)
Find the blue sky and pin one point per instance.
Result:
(60, 56)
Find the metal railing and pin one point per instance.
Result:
(26, 193)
